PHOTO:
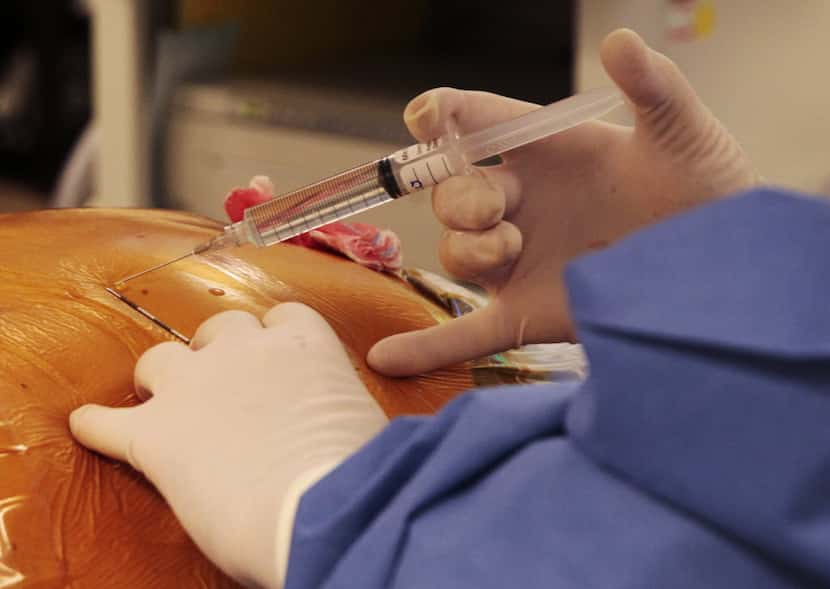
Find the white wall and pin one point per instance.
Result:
(764, 71)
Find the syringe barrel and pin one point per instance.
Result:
(423, 165)
(352, 192)
(324, 202)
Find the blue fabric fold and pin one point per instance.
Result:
(696, 454)
(746, 273)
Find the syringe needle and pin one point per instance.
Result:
(154, 268)
(217, 242)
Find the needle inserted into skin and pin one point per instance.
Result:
(154, 268)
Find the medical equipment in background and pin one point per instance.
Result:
(403, 172)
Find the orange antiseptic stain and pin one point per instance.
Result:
(218, 292)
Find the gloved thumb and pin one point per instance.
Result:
(662, 98)
(469, 337)
(105, 430)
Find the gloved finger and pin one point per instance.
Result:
(153, 365)
(508, 182)
(305, 327)
(297, 317)
(477, 255)
(472, 336)
(225, 323)
(662, 97)
(427, 115)
(468, 203)
(106, 430)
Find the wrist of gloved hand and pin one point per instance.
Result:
(237, 427)
(328, 429)
(288, 511)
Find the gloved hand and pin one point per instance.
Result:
(236, 428)
(513, 227)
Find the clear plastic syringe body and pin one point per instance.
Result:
(351, 192)
(417, 167)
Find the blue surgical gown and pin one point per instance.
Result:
(696, 454)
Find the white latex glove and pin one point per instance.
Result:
(513, 228)
(237, 428)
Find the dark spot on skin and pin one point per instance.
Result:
(141, 236)
(217, 292)
(144, 291)
(24, 386)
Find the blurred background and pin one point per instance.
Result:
(171, 103)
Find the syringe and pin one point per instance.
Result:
(403, 172)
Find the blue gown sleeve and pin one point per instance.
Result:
(696, 454)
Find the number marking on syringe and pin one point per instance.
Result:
(434, 181)
(446, 167)
(417, 183)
